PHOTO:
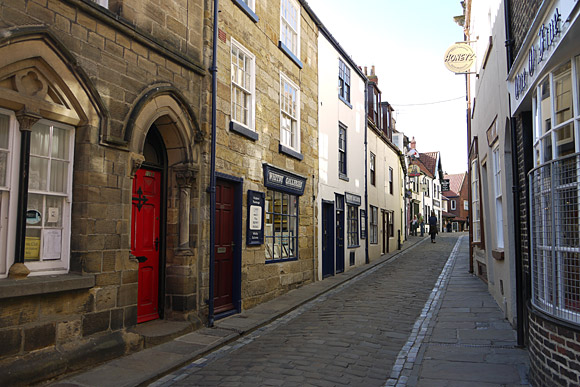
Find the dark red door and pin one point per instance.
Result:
(145, 240)
(224, 256)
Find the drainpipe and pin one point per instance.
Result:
(212, 205)
(26, 119)
(520, 299)
(367, 260)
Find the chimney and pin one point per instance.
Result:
(413, 143)
(372, 77)
(366, 70)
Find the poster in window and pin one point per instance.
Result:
(51, 248)
(32, 248)
(363, 224)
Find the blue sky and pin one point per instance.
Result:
(406, 42)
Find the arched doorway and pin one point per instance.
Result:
(148, 226)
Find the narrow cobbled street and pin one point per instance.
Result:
(364, 333)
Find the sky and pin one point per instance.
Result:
(406, 42)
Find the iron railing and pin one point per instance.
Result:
(555, 237)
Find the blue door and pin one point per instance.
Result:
(327, 239)
(339, 233)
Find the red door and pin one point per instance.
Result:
(145, 240)
(224, 257)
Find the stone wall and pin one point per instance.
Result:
(242, 157)
(125, 55)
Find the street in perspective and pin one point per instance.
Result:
(290, 192)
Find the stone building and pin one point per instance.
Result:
(544, 68)
(102, 177)
(266, 152)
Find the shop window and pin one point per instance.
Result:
(281, 226)
(352, 225)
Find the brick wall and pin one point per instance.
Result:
(522, 15)
(554, 353)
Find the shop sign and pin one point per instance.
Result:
(284, 181)
(352, 199)
(459, 58)
(414, 170)
(445, 185)
(255, 224)
(542, 46)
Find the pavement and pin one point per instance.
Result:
(459, 339)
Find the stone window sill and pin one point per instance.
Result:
(498, 254)
(10, 288)
(247, 10)
(290, 54)
(290, 152)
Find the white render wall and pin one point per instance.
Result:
(331, 111)
(490, 90)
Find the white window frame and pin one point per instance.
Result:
(374, 225)
(8, 196)
(250, 92)
(466, 205)
(47, 266)
(496, 161)
(102, 3)
(286, 26)
(251, 4)
(453, 206)
(284, 80)
(475, 215)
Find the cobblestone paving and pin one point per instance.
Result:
(351, 336)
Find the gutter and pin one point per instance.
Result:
(212, 205)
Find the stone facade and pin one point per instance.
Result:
(112, 74)
(242, 149)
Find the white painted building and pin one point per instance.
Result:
(341, 186)
(492, 217)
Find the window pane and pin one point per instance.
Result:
(4, 131)
(565, 144)
(546, 110)
(563, 93)
(60, 146)
(40, 139)
(38, 174)
(547, 146)
(58, 176)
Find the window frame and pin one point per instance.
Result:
(343, 81)
(352, 227)
(475, 215)
(296, 119)
(342, 151)
(8, 230)
(374, 225)
(391, 177)
(251, 125)
(295, 30)
(372, 166)
(498, 202)
(453, 204)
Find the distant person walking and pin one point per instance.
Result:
(432, 226)
(414, 226)
(422, 224)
